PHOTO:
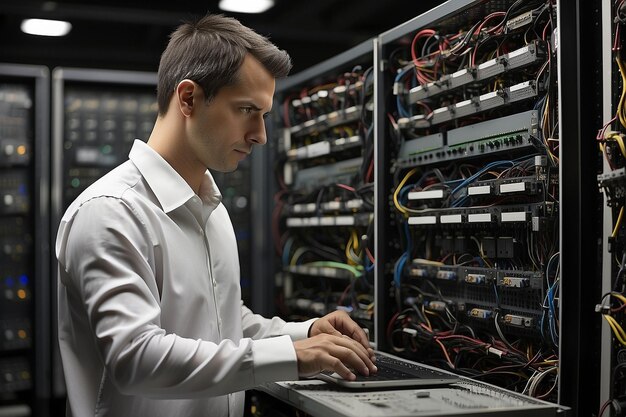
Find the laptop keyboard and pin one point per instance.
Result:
(395, 369)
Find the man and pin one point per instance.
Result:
(150, 317)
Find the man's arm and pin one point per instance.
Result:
(107, 256)
(336, 342)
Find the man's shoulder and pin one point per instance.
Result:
(114, 185)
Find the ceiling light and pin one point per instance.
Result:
(45, 27)
(246, 6)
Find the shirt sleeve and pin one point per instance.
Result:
(256, 326)
(107, 259)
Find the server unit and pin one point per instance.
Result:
(24, 224)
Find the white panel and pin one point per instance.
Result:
(425, 195)
(479, 190)
(451, 219)
(515, 216)
(423, 220)
(344, 220)
(514, 187)
(479, 218)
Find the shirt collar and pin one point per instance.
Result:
(168, 186)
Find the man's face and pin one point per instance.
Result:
(222, 133)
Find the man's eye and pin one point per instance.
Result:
(246, 110)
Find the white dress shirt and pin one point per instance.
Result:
(151, 321)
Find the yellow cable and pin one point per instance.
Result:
(353, 257)
(355, 241)
(620, 142)
(620, 106)
(401, 208)
(347, 251)
(618, 222)
(617, 137)
(619, 296)
(619, 333)
(430, 327)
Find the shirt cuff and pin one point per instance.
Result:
(274, 360)
(298, 331)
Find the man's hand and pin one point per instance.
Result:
(339, 323)
(333, 353)
(336, 343)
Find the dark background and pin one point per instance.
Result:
(131, 34)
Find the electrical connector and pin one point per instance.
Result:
(602, 308)
(409, 331)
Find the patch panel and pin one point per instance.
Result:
(475, 105)
(322, 148)
(496, 216)
(533, 53)
(510, 133)
(326, 121)
(323, 221)
(320, 271)
(338, 172)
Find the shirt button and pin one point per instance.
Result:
(214, 283)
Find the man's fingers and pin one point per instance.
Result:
(363, 354)
(334, 353)
(339, 367)
(329, 329)
(355, 355)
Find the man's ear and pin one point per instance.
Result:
(186, 90)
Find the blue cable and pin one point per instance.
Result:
(397, 276)
(471, 179)
(401, 110)
(287, 250)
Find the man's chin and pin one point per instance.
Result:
(226, 169)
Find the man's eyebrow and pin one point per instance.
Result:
(249, 103)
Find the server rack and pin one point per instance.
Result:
(513, 104)
(24, 217)
(513, 312)
(611, 181)
(323, 208)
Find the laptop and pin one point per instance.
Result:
(394, 372)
